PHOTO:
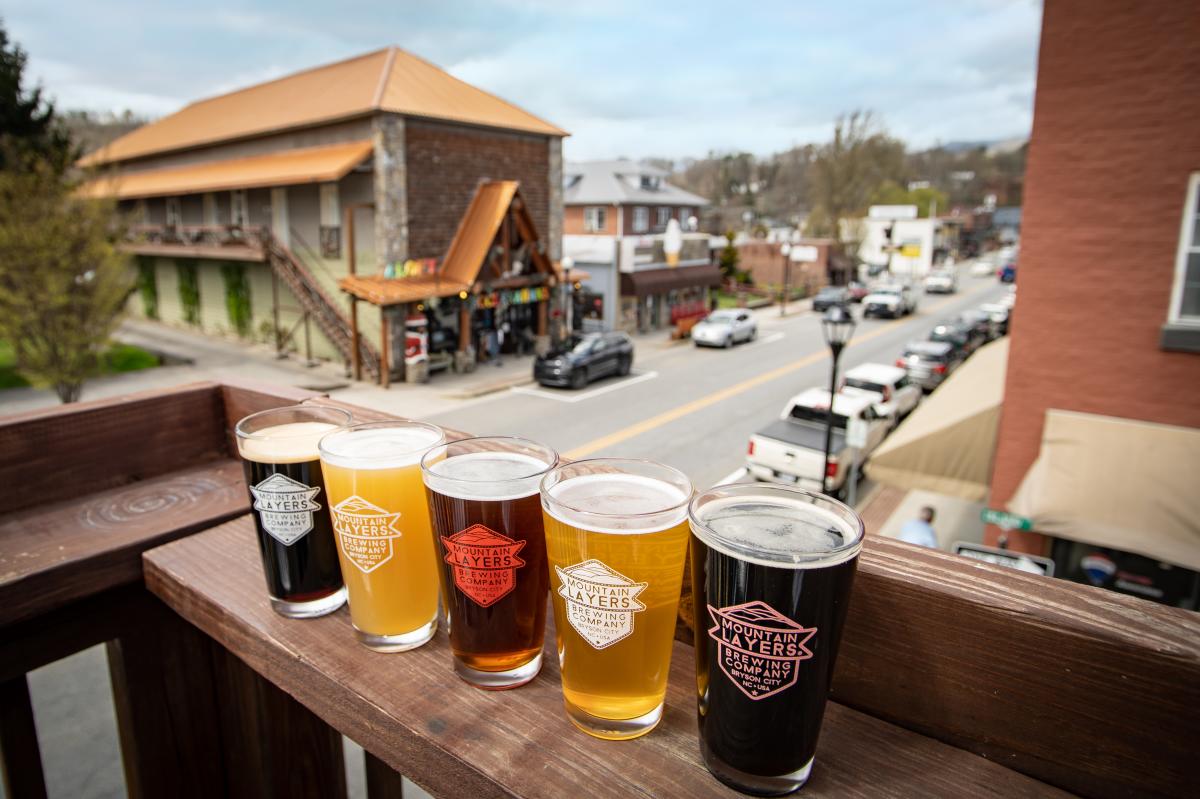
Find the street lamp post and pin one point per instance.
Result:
(568, 295)
(837, 327)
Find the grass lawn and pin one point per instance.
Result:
(117, 358)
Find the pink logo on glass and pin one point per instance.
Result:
(759, 648)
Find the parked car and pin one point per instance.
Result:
(792, 448)
(894, 395)
(830, 296)
(893, 299)
(857, 291)
(1008, 273)
(584, 358)
(725, 328)
(964, 340)
(1010, 299)
(981, 323)
(928, 362)
(941, 281)
(983, 268)
(998, 313)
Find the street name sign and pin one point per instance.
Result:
(1005, 520)
(1031, 564)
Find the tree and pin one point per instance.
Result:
(63, 283)
(29, 130)
(728, 259)
(928, 200)
(848, 168)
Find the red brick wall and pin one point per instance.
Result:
(1116, 133)
(446, 162)
(764, 262)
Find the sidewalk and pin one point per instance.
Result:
(194, 357)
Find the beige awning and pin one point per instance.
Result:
(285, 168)
(1129, 485)
(946, 445)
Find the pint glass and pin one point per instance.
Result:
(290, 507)
(616, 541)
(381, 523)
(487, 525)
(771, 574)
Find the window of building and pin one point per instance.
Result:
(174, 212)
(641, 219)
(331, 221)
(684, 213)
(651, 182)
(1185, 297)
(239, 211)
(662, 216)
(210, 209)
(595, 218)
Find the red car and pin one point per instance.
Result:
(857, 291)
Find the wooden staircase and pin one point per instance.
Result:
(318, 304)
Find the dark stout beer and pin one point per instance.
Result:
(487, 524)
(771, 574)
(290, 507)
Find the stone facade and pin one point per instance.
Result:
(391, 190)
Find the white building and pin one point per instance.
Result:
(893, 236)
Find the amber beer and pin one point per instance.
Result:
(290, 507)
(381, 524)
(616, 540)
(772, 569)
(487, 525)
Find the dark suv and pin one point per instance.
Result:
(584, 358)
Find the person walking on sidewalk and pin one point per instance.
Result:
(920, 531)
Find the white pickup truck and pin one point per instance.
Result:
(792, 448)
(895, 397)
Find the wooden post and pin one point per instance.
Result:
(402, 366)
(541, 317)
(383, 781)
(352, 269)
(275, 311)
(385, 356)
(20, 758)
(464, 324)
(506, 234)
(308, 358)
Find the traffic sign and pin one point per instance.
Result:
(1032, 564)
(1005, 520)
(910, 250)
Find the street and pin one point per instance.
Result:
(695, 409)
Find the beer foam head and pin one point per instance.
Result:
(776, 530)
(486, 475)
(616, 503)
(294, 442)
(378, 446)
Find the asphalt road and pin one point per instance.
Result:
(695, 408)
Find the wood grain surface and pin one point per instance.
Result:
(76, 548)
(1087, 689)
(65, 452)
(411, 712)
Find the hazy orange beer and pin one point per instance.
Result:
(381, 524)
(616, 541)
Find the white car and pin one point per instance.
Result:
(983, 268)
(894, 395)
(892, 300)
(725, 328)
(943, 281)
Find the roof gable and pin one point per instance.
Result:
(385, 80)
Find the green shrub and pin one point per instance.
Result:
(237, 297)
(128, 358)
(147, 287)
(189, 291)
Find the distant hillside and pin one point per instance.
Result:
(91, 131)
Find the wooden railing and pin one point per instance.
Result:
(956, 678)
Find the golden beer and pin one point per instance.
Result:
(616, 541)
(381, 525)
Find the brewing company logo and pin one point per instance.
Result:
(485, 563)
(366, 532)
(285, 507)
(601, 602)
(759, 648)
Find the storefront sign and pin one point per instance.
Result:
(1005, 520)
(515, 297)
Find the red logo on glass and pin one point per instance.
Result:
(759, 648)
(485, 563)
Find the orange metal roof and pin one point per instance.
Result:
(477, 230)
(287, 168)
(379, 290)
(385, 80)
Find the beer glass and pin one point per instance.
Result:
(487, 525)
(381, 524)
(771, 574)
(290, 507)
(616, 541)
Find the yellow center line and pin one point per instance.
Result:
(699, 404)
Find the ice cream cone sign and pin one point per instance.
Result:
(673, 242)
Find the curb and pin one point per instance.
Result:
(490, 388)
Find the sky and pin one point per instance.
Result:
(631, 79)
